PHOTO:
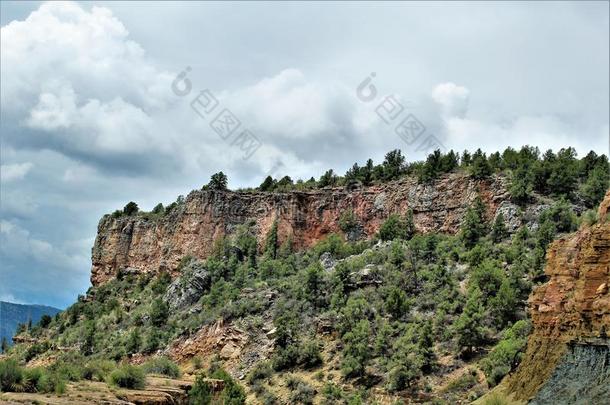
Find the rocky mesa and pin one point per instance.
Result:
(143, 244)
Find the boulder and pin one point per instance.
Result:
(327, 261)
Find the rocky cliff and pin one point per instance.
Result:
(567, 358)
(141, 245)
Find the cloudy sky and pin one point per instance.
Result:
(94, 114)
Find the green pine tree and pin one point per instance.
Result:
(218, 181)
(498, 230)
(469, 326)
(598, 181)
(475, 224)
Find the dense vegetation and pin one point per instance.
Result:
(392, 307)
(423, 297)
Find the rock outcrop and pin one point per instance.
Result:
(186, 290)
(571, 319)
(152, 244)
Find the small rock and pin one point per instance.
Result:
(271, 334)
(379, 202)
(327, 261)
(602, 289)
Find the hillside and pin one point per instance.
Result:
(11, 315)
(409, 289)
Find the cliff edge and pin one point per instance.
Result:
(151, 244)
(567, 358)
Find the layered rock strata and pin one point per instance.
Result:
(142, 244)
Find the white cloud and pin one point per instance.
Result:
(91, 49)
(55, 110)
(17, 242)
(86, 89)
(452, 98)
(15, 171)
(290, 105)
(17, 203)
(546, 132)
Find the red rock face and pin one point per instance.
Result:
(191, 229)
(574, 303)
(573, 306)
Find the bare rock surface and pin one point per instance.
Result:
(185, 290)
(151, 244)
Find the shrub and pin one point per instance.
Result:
(17, 379)
(285, 357)
(68, 369)
(463, 382)
(51, 382)
(268, 398)
(128, 376)
(309, 354)
(396, 227)
(98, 370)
(261, 371)
(201, 392)
(562, 216)
(332, 393)
(11, 375)
(134, 341)
(356, 350)
(162, 365)
(160, 284)
(153, 341)
(233, 393)
(45, 321)
(301, 392)
(348, 221)
(506, 354)
(34, 380)
(397, 303)
(197, 362)
(34, 350)
(159, 312)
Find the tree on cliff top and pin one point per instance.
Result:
(267, 185)
(131, 208)
(393, 165)
(218, 181)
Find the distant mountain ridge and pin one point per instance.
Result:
(12, 315)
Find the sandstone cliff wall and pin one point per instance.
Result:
(571, 320)
(191, 229)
